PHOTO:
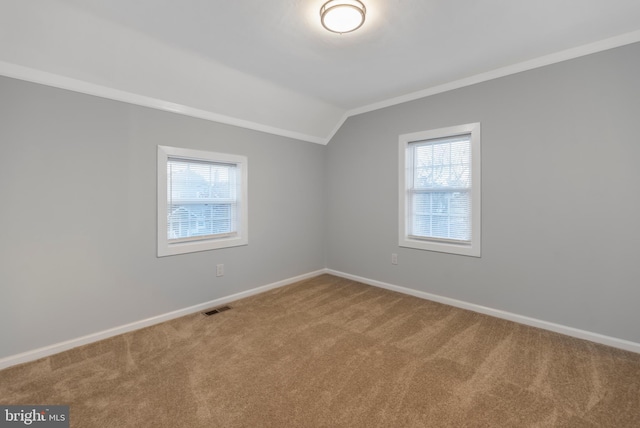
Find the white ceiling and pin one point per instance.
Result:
(278, 50)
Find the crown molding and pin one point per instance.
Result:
(58, 81)
(55, 80)
(565, 55)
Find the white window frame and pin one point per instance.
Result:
(471, 248)
(240, 237)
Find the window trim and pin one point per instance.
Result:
(471, 248)
(167, 248)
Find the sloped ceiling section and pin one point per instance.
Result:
(269, 65)
(53, 43)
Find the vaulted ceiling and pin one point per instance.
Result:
(269, 65)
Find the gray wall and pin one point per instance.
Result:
(560, 204)
(560, 195)
(78, 215)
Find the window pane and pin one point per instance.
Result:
(189, 220)
(421, 225)
(460, 228)
(442, 163)
(421, 214)
(440, 181)
(422, 203)
(201, 198)
(440, 227)
(444, 215)
(440, 203)
(442, 170)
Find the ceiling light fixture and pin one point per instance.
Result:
(342, 16)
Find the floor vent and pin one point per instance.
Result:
(216, 310)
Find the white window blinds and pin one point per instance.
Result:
(201, 200)
(439, 190)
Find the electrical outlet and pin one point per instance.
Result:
(394, 259)
(220, 270)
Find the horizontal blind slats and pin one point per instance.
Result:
(201, 199)
(439, 192)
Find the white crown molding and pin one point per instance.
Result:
(58, 81)
(520, 319)
(50, 79)
(565, 55)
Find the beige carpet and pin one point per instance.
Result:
(329, 352)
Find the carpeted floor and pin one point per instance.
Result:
(330, 352)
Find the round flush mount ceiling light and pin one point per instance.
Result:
(342, 16)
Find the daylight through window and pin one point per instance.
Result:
(439, 194)
(201, 200)
(440, 198)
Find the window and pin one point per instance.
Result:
(202, 200)
(440, 190)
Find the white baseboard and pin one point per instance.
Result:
(46, 351)
(558, 328)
